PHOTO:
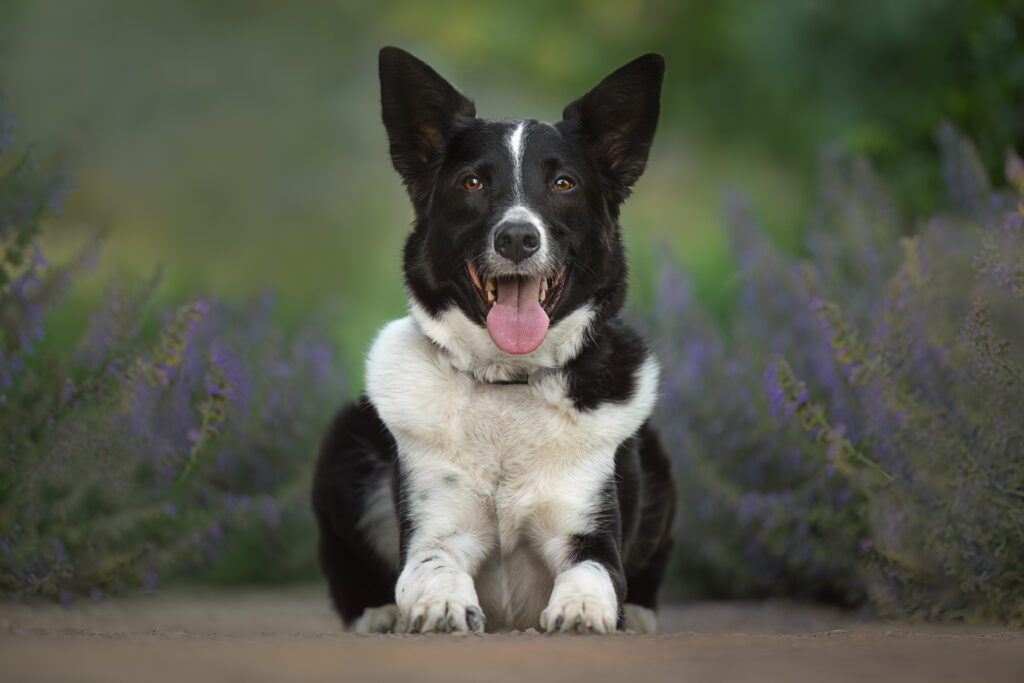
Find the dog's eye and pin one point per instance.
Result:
(563, 184)
(472, 183)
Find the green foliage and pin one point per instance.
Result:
(198, 129)
(881, 77)
(131, 455)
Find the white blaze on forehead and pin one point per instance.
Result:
(516, 145)
(520, 210)
(522, 213)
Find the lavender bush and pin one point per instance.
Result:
(853, 432)
(856, 431)
(150, 444)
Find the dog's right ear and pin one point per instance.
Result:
(618, 118)
(419, 108)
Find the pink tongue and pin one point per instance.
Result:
(517, 323)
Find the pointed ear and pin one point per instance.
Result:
(619, 116)
(419, 108)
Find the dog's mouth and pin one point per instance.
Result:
(518, 308)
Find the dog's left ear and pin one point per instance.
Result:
(419, 108)
(619, 116)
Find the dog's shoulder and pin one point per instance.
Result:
(405, 371)
(616, 367)
(398, 342)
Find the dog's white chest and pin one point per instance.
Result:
(536, 474)
(527, 434)
(511, 470)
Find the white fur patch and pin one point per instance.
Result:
(435, 596)
(639, 619)
(514, 585)
(504, 474)
(379, 524)
(470, 348)
(540, 262)
(516, 147)
(522, 213)
(583, 600)
(383, 619)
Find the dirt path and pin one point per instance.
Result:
(292, 636)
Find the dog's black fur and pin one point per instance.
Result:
(602, 144)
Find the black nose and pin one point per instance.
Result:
(517, 241)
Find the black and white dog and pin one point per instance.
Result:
(500, 471)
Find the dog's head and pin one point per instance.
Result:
(516, 220)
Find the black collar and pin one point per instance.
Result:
(523, 380)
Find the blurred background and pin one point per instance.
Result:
(238, 146)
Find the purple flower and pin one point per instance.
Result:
(1014, 221)
(59, 189)
(226, 377)
(8, 125)
(60, 553)
(68, 390)
(749, 507)
(270, 510)
(1015, 171)
(776, 394)
(150, 580)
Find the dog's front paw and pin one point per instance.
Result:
(582, 601)
(445, 615)
(380, 619)
(433, 598)
(579, 613)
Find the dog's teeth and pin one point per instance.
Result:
(543, 289)
(492, 290)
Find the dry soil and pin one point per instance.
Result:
(292, 636)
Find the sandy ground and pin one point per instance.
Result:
(292, 636)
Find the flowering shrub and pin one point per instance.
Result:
(856, 431)
(853, 432)
(146, 446)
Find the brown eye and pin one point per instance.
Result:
(472, 183)
(563, 184)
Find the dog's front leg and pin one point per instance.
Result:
(589, 586)
(446, 537)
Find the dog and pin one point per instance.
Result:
(500, 471)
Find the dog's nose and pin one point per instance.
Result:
(517, 241)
